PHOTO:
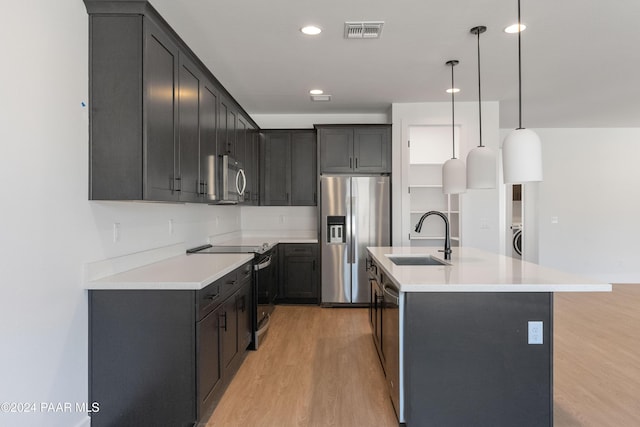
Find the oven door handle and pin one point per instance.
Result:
(264, 264)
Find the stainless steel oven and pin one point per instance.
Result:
(265, 283)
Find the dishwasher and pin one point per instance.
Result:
(392, 344)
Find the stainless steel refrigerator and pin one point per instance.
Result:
(354, 213)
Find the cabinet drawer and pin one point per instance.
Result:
(228, 283)
(212, 295)
(300, 249)
(208, 298)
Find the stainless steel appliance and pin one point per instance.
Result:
(233, 181)
(392, 346)
(354, 213)
(265, 282)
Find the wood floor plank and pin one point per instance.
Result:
(597, 358)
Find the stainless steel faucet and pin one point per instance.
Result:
(447, 234)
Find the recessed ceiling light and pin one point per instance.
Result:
(311, 30)
(316, 92)
(512, 29)
(453, 90)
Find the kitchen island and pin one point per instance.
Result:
(467, 341)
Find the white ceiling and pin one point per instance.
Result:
(581, 58)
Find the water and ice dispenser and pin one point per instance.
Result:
(336, 229)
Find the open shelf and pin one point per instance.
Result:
(428, 150)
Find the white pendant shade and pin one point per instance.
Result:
(454, 177)
(481, 168)
(522, 157)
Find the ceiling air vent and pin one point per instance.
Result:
(320, 98)
(363, 29)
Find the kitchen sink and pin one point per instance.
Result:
(415, 259)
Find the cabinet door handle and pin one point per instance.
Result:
(179, 183)
(313, 267)
(315, 198)
(225, 321)
(243, 304)
(350, 163)
(356, 163)
(287, 197)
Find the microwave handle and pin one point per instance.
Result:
(244, 182)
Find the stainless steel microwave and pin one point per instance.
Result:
(233, 181)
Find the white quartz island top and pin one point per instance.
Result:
(474, 270)
(184, 272)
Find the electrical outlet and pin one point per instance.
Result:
(535, 332)
(170, 226)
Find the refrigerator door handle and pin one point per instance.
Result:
(351, 236)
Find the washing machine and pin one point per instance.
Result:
(517, 239)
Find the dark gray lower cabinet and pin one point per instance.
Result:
(299, 268)
(165, 357)
(467, 361)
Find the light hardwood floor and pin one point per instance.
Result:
(597, 358)
(319, 367)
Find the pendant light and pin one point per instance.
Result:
(521, 149)
(481, 161)
(454, 179)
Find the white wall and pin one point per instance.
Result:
(306, 121)
(48, 228)
(592, 186)
(482, 220)
(280, 220)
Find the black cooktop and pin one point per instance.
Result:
(210, 249)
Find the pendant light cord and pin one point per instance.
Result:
(519, 71)
(453, 113)
(479, 91)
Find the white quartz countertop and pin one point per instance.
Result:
(185, 272)
(474, 270)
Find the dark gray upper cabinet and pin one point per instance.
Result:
(226, 128)
(336, 150)
(188, 160)
(354, 148)
(208, 129)
(158, 117)
(275, 156)
(288, 168)
(304, 177)
(161, 58)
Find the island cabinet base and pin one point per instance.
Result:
(467, 361)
